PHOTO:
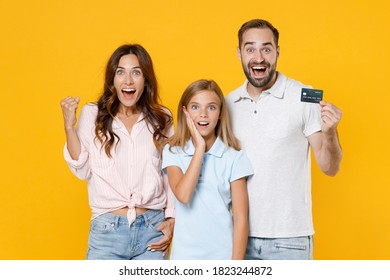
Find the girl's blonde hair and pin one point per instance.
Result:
(223, 129)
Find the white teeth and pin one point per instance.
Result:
(128, 90)
(258, 67)
(203, 123)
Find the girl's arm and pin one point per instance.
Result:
(240, 217)
(183, 185)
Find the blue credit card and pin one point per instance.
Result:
(311, 95)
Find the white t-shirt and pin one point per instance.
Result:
(274, 134)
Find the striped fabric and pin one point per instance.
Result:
(132, 177)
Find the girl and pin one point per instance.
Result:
(207, 173)
(116, 147)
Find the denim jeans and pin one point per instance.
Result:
(295, 248)
(111, 238)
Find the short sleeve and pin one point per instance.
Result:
(312, 119)
(170, 158)
(242, 167)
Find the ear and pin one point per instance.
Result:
(278, 52)
(185, 112)
(239, 53)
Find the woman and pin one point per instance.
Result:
(116, 147)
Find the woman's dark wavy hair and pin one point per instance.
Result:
(157, 117)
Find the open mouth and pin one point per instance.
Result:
(259, 70)
(203, 124)
(128, 92)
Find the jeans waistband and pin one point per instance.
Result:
(117, 219)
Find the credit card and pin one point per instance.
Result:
(311, 95)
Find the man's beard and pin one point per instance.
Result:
(262, 82)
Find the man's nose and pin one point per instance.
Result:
(259, 56)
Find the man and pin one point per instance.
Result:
(276, 129)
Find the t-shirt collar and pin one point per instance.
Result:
(216, 150)
(277, 90)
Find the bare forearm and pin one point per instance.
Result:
(240, 218)
(186, 186)
(331, 154)
(73, 143)
(240, 238)
(326, 144)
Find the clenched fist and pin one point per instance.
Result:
(69, 107)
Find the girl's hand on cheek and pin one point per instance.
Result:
(197, 139)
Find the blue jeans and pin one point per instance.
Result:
(295, 248)
(111, 238)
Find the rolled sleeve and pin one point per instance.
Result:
(80, 168)
(170, 209)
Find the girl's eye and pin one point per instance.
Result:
(119, 72)
(194, 107)
(212, 107)
(137, 73)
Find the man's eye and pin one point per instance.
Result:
(250, 50)
(266, 50)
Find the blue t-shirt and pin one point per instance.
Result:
(204, 226)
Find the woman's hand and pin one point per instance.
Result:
(166, 228)
(69, 107)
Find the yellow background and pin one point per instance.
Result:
(52, 49)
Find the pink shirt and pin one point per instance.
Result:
(132, 177)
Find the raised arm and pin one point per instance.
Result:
(325, 143)
(183, 185)
(69, 107)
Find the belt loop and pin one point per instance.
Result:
(142, 217)
(117, 220)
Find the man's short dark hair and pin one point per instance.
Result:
(257, 23)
